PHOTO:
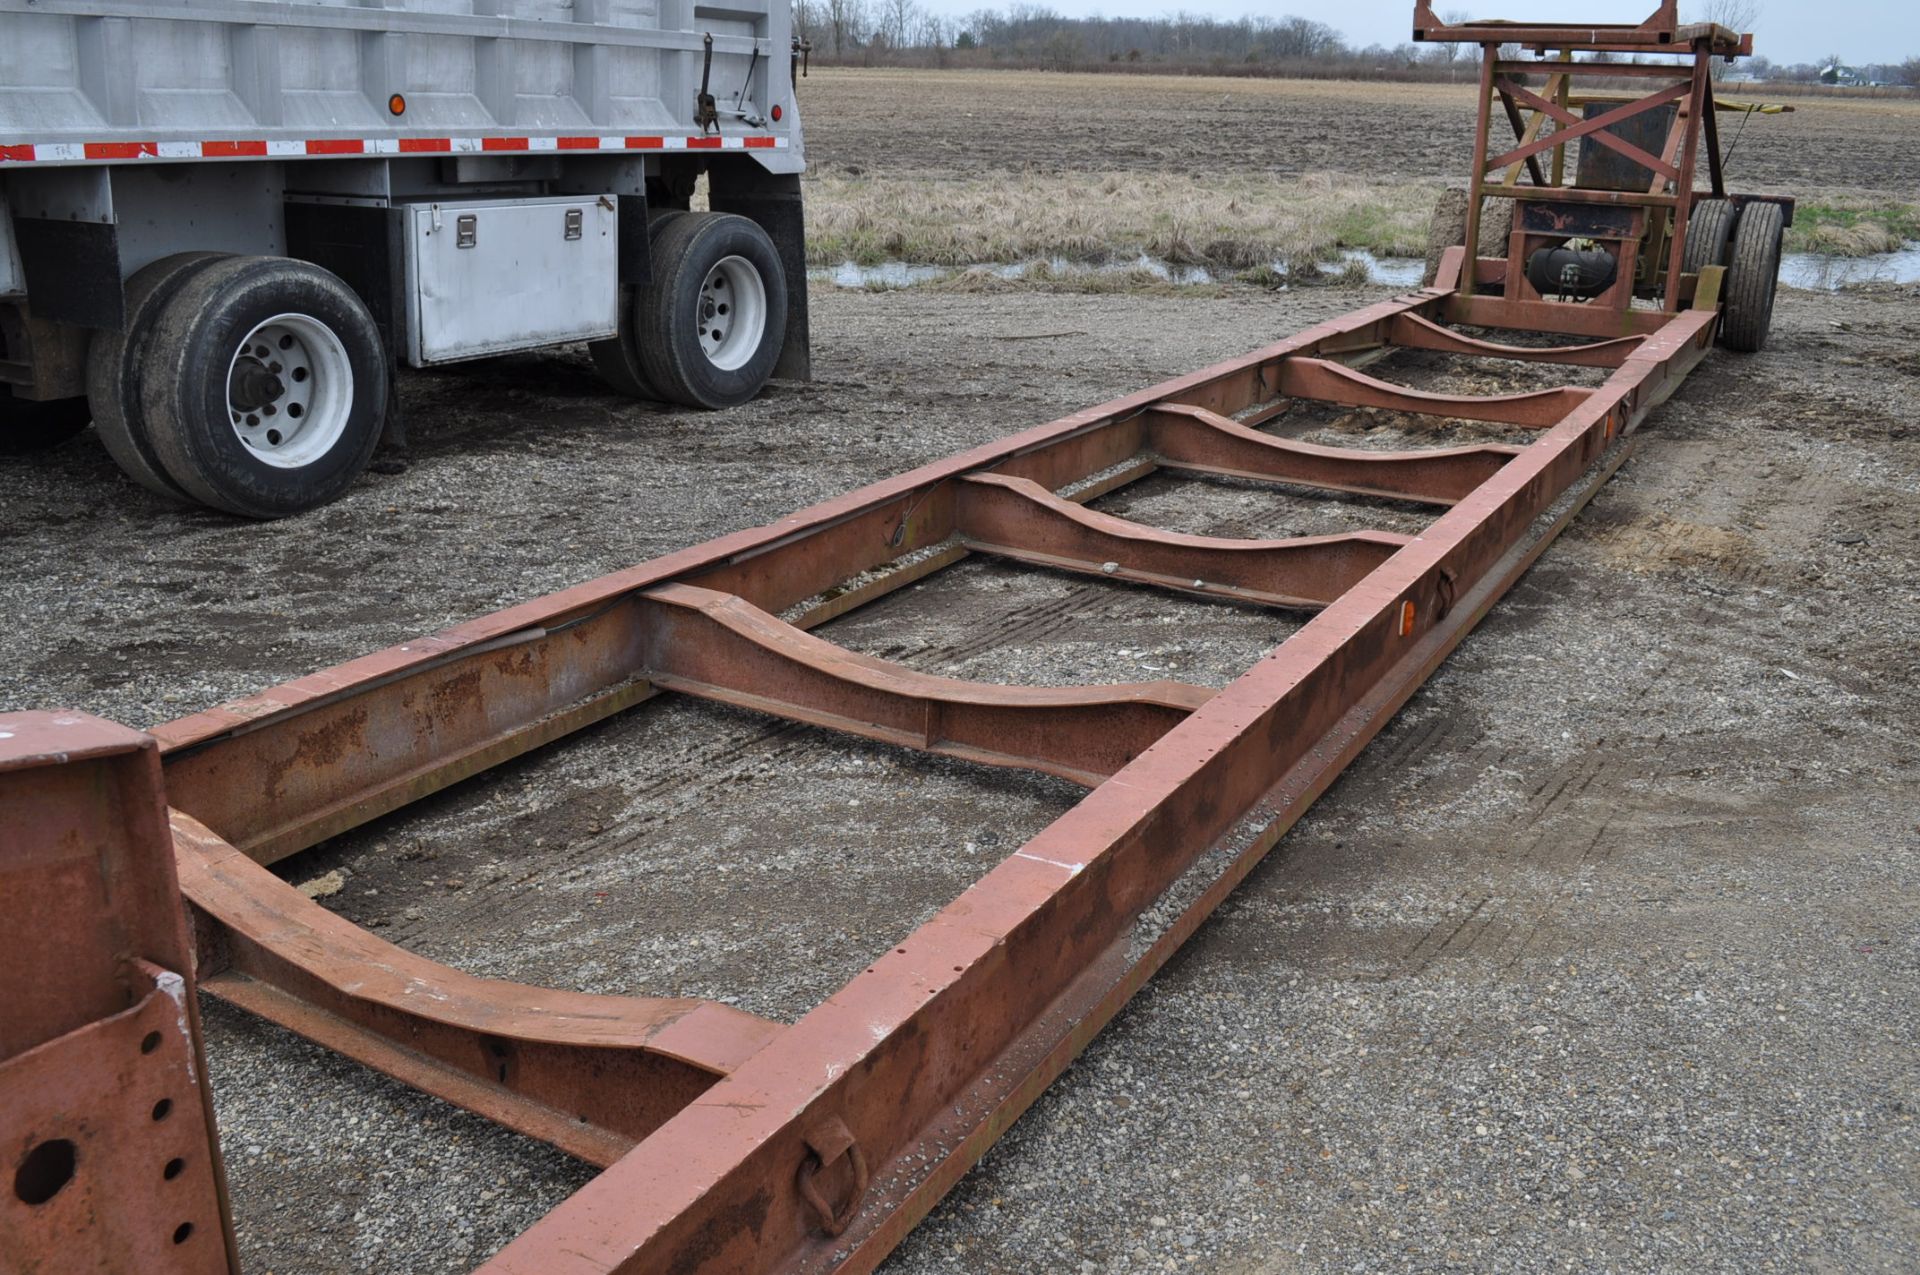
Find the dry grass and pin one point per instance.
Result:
(1853, 225)
(960, 167)
(1227, 225)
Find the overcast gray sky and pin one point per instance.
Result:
(1788, 30)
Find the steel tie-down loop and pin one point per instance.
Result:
(826, 1143)
(1448, 581)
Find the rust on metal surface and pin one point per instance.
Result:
(729, 1143)
(106, 1117)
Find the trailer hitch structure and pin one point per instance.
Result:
(729, 1142)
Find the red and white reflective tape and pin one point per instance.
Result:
(107, 152)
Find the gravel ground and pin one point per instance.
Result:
(1601, 957)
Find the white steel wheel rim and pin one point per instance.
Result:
(290, 391)
(730, 315)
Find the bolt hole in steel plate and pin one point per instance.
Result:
(290, 391)
(45, 1170)
(121, 1187)
(732, 315)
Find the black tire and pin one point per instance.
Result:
(332, 385)
(114, 364)
(1709, 228)
(1753, 274)
(27, 426)
(1447, 228)
(673, 313)
(617, 359)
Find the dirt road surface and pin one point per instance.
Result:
(1602, 956)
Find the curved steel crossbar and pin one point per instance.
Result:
(1017, 518)
(592, 1075)
(1199, 441)
(1417, 333)
(717, 646)
(1331, 382)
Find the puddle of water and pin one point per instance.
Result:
(1397, 272)
(1809, 270)
(1819, 272)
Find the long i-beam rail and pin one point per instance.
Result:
(730, 1142)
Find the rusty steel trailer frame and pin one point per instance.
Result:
(729, 1142)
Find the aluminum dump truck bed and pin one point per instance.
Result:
(114, 81)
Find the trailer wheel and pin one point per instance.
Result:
(617, 359)
(1709, 227)
(114, 365)
(27, 426)
(710, 328)
(1753, 274)
(266, 386)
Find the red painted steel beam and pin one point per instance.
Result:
(717, 646)
(1195, 440)
(905, 1068)
(1329, 382)
(106, 1131)
(1017, 518)
(589, 1074)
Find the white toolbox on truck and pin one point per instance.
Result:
(483, 278)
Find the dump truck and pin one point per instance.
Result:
(223, 227)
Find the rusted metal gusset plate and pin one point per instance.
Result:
(720, 647)
(1415, 332)
(275, 772)
(1196, 440)
(1333, 383)
(899, 1079)
(1017, 518)
(590, 1074)
(98, 1130)
(106, 1124)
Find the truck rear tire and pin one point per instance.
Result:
(617, 359)
(1753, 275)
(266, 386)
(114, 365)
(27, 426)
(709, 329)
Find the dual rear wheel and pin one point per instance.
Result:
(1746, 239)
(257, 385)
(709, 327)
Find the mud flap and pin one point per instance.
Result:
(773, 200)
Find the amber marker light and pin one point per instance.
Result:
(397, 105)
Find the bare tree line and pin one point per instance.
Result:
(902, 32)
